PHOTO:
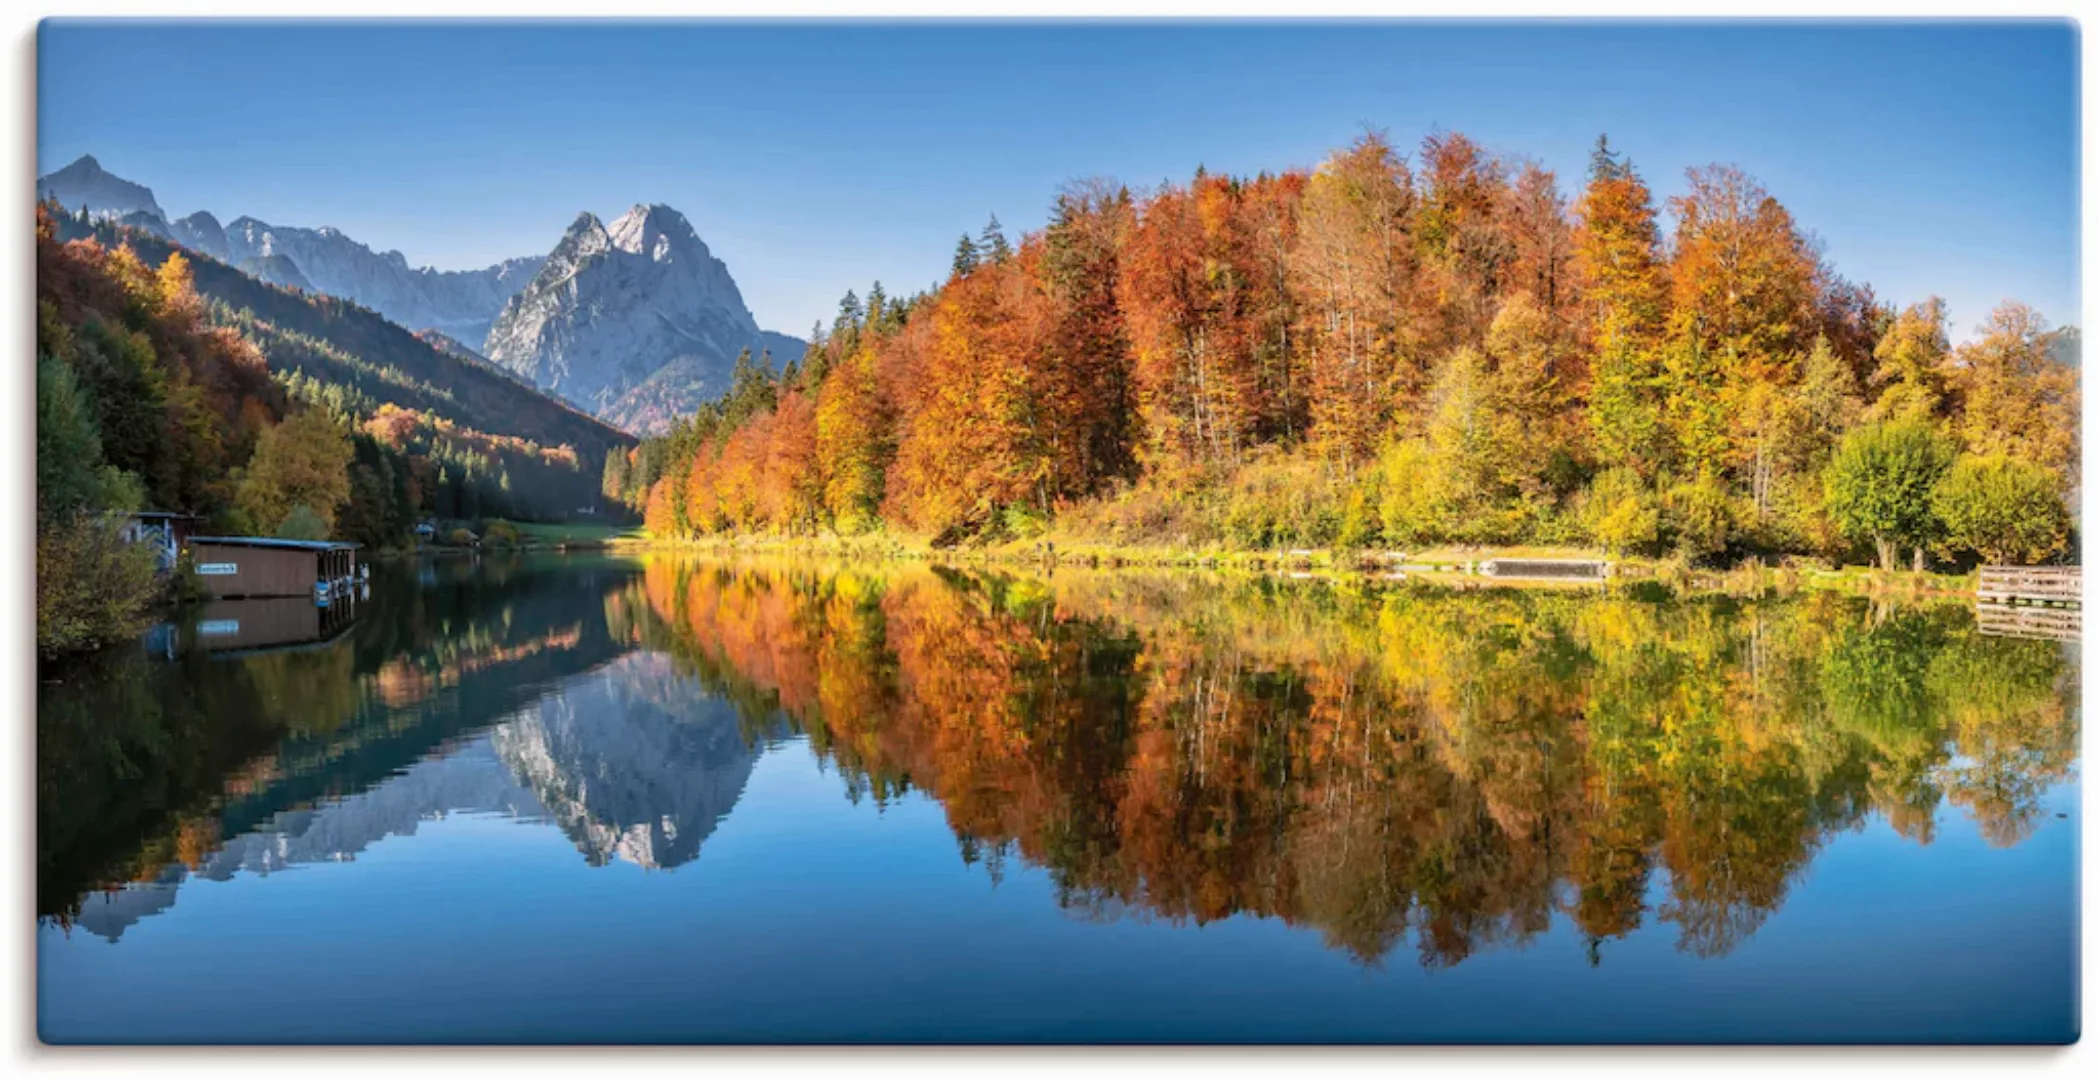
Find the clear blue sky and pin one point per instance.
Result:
(1929, 157)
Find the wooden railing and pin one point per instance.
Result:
(2031, 585)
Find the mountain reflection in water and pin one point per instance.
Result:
(1399, 769)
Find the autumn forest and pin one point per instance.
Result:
(1398, 350)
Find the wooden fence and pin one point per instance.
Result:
(2031, 585)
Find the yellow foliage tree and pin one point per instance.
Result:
(303, 461)
(2016, 397)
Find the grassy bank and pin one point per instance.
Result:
(1449, 565)
(575, 534)
(521, 536)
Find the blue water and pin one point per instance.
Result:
(626, 852)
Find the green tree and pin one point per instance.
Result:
(1606, 163)
(1810, 415)
(302, 523)
(851, 314)
(2005, 509)
(1694, 407)
(1625, 400)
(501, 534)
(751, 391)
(68, 444)
(993, 242)
(1879, 485)
(613, 484)
(93, 587)
(965, 257)
(122, 377)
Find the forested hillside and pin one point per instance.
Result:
(142, 404)
(493, 445)
(1399, 350)
(172, 383)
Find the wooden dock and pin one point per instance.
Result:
(1546, 569)
(2043, 602)
(2030, 621)
(2055, 586)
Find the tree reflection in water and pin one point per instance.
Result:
(1384, 763)
(1380, 762)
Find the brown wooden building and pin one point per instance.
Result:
(239, 566)
(241, 626)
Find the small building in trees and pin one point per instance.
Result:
(256, 566)
(166, 533)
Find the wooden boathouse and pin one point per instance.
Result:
(245, 626)
(256, 566)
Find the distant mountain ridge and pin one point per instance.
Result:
(637, 323)
(380, 363)
(84, 185)
(461, 303)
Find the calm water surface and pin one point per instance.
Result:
(586, 799)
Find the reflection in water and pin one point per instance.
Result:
(468, 779)
(635, 763)
(1375, 762)
(630, 759)
(147, 768)
(1384, 764)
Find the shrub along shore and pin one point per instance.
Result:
(1450, 566)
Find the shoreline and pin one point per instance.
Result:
(1443, 566)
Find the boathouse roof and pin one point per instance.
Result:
(274, 542)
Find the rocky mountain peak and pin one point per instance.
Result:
(585, 237)
(201, 232)
(657, 233)
(84, 183)
(641, 305)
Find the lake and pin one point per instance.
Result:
(674, 799)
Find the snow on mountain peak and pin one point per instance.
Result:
(659, 233)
